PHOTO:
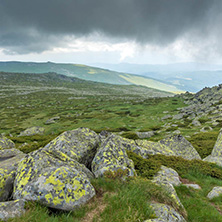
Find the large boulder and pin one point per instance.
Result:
(112, 156)
(216, 154)
(11, 209)
(35, 130)
(181, 147)
(6, 143)
(58, 182)
(80, 144)
(165, 213)
(9, 159)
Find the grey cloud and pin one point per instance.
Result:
(35, 26)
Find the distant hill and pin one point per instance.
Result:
(27, 82)
(87, 73)
(185, 76)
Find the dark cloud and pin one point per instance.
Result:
(35, 26)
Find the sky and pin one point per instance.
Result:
(111, 31)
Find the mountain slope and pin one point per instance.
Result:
(87, 73)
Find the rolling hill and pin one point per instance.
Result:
(87, 73)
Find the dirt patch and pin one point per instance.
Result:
(185, 181)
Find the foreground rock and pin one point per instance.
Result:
(215, 192)
(80, 144)
(11, 209)
(167, 178)
(35, 130)
(53, 176)
(165, 213)
(181, 147)
(6, 143)
(112, 156)
(9, 159)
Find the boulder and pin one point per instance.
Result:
(216, 154)
(167, 175)
(6, 143)
(58, 182)
(11, 209)
(9, 159)
(145, 148)
(215, 192)
(35, 130)
(112, 156)
(167, 178)
(80, 144)
(181, 147)
(143, 135)
(165, 213)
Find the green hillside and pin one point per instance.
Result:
(86, 73)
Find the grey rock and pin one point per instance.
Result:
(11, 209)
(166, 117)
(196, 123)
(143, 135)
(165, 213)
(6, 143)
(215, 192)
(194, 186)
(35, 130)
(178, 116)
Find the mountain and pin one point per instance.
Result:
(27, 83)
(186, 76)
(87, 73)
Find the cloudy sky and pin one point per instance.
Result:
(111, 31)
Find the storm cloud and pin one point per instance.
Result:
(35, 26)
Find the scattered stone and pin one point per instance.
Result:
(35, 130)
(167, 175)
(165, 112)
(196, 123)
(165, 213)
(215, 192)
(112, 156)
(194, 186)
(206, 129)
(178, 116)
(177, 132)
(6, 143)
(52, 120)
(166, 117)
(144, 135)
(11, 209)
(181, 147)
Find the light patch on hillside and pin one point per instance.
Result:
(138, 80)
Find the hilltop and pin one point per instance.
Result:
(87, 73)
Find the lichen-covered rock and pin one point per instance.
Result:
(11, 209)
(166, 178)
(181, 147)
(146, 148)
(6, 143)
(112, 156)
(165, 213)
(9, 159)
(35, 130)
(215, 192)
(80, 144)
(167, 175)
(60, 183)
(216, 154)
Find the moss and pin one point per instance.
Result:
(204, 142)
(130, 135)
(150, 166)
